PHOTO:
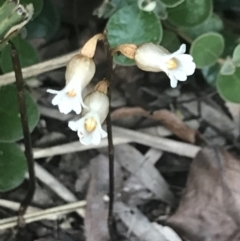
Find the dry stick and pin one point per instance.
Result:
(110, 140)
(27, 137)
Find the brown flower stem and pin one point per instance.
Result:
(26, 133)
(110, 141)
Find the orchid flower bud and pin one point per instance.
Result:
(89, 127)
(155, 58)
(79, 72)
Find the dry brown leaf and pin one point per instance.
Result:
(173, 123)
(126, 112)
(167, 118)
(210, 207)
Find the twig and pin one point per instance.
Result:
(26, 133)
(110, 139)
(37, 69)
(51, 213)
(123, 135)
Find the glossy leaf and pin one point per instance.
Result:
(131, 25)
(229, 86)
(211, 24)
(27, 54)
(206, 49)
(10, 124)
(170, 41)
(172, 3)
(37, 4)
(236, 56)
(190, 13)
(46, 23)
(13, 166)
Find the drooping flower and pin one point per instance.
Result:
(79, 72)
(155, 58)
(89, 127)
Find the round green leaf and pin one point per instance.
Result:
(229, 86)
(236, 56)
(45, 24)
(210, 74)
(170, 41)
(172, 3)
(206, 49)
(10, 123)
(37, 4)
(190, 13)
(211, 24)
(27, 55)
(131, 25)
(13, 166)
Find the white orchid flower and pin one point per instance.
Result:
(80, 70)
(155, 58)
(89, 127)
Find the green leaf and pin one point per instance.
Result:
(46, 24)
(206, 49)
(236, 56)
(13, 166)
(27, 54)
(37, 4)
(13, 17)
(170, 41)
(131, 25)
(231, 40)
(228, 68)
(160, 10)
(10, 123)
(210, 73)
(172, 3)
(211, 24)
(190, 13)
(229, 86)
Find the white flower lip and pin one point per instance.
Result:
(154, 58)
(89, 127)
(80, 70)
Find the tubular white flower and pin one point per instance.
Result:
(89, 127)
(155, 58)
(80, 70)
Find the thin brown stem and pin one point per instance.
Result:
(26, 133)
(110, 141)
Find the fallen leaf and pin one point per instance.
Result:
(167, 118)
(126, 112)
(210, 207)
(173, 123)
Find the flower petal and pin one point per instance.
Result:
(65, 106)
(96, 137)
(58, 98)
(173, 81)
(179, 74)
(103, 133)
(73, 125)
(87, 139)
(180, 51)
(53, 91)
